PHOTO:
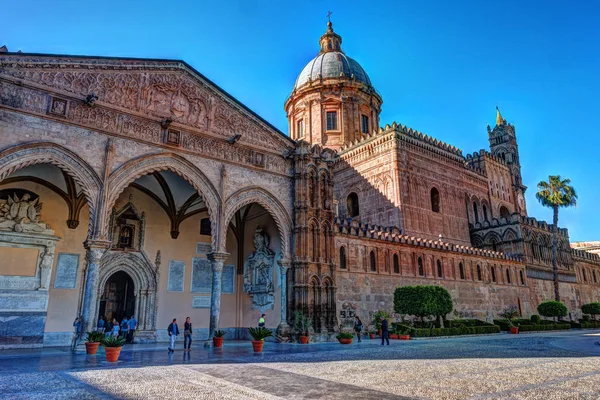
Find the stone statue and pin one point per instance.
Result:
(258, 272)
(22, 215)
(46, 267)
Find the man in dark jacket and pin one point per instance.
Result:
(385, 334)
(173, 330)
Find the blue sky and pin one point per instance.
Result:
(441, 66)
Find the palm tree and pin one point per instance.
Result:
(554, 194)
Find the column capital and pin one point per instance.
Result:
(93, 244)
(218, 256)
(284, 265)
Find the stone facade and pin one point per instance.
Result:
(155, 184)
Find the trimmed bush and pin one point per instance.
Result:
(457, 327)
(422, 301)
(592, 309)
(585, 324)
(552, 309)
(535, 319)
(531, 327)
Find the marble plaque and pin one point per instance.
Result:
(228, 279)
(203, 248)
(176, 276)
(201, 302)
(201, 275)
(66, 271)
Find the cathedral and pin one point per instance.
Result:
(138, 187)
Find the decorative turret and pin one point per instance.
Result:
(330, 41)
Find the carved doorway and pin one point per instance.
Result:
(118, 297)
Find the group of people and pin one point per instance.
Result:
(125, 329)
(173, 331)
(385, 333)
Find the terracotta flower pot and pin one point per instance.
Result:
(112, 353)
(372, 335)
(304, 339)
(345, 341)
(258, 345)
(514, 330)
(91, 347)
(394, 336)
(218, 341)
(404, 337)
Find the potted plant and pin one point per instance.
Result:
(92, 341)
(394, 335)
(258, 337)
(112, 347)
(218, 338)
(301, 324)
(345, 337)
(403, 332)
(509, 315)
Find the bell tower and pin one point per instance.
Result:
(333, 101)
(503, 144)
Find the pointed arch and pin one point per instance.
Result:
(255, 194)
(137, 167)
(23, 155)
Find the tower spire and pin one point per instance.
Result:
(499, 119)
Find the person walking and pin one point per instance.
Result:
(173, 331)
(385, 334)
(261, 321)
(124, 328)
(187, 334)
(76, 333)
(358, 327)
(115, 327)
(132, 327)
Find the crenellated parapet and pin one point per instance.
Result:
(393, 234)
(585, 256)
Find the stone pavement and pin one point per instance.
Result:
(555, 365)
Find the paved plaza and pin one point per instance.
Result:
(553, 365)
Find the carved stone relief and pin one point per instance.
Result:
(258, 272)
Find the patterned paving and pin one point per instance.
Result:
(546, 366)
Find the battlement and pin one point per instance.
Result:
(582, 255)
(531, 221)
(393, 234)
(409, 135)
(481, 155)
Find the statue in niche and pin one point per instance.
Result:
(258, 272)
(22, 215)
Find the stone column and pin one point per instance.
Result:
(95, 250)
(283, 329)
(216, 260)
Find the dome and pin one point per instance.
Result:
(332, 64)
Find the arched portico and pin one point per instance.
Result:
(133, 169)
(24, 155)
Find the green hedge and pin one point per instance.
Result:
(526, 325)
(463, 330)
(585, 324)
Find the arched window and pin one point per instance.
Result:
(420, 265)
(476, 212)
(439, 269)
(478, 273)
(584, 276)
(485, 215)
(521, 276)
(435, 200)
(373, 262)
(507, 275)
(461, 270)
(342, 257)
(594, 276)
(352, 205)
(504, 213)
(396, 264)
(493, 274)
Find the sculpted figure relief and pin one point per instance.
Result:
(22, 215)
(258, 272)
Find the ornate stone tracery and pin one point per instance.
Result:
(258, 272)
